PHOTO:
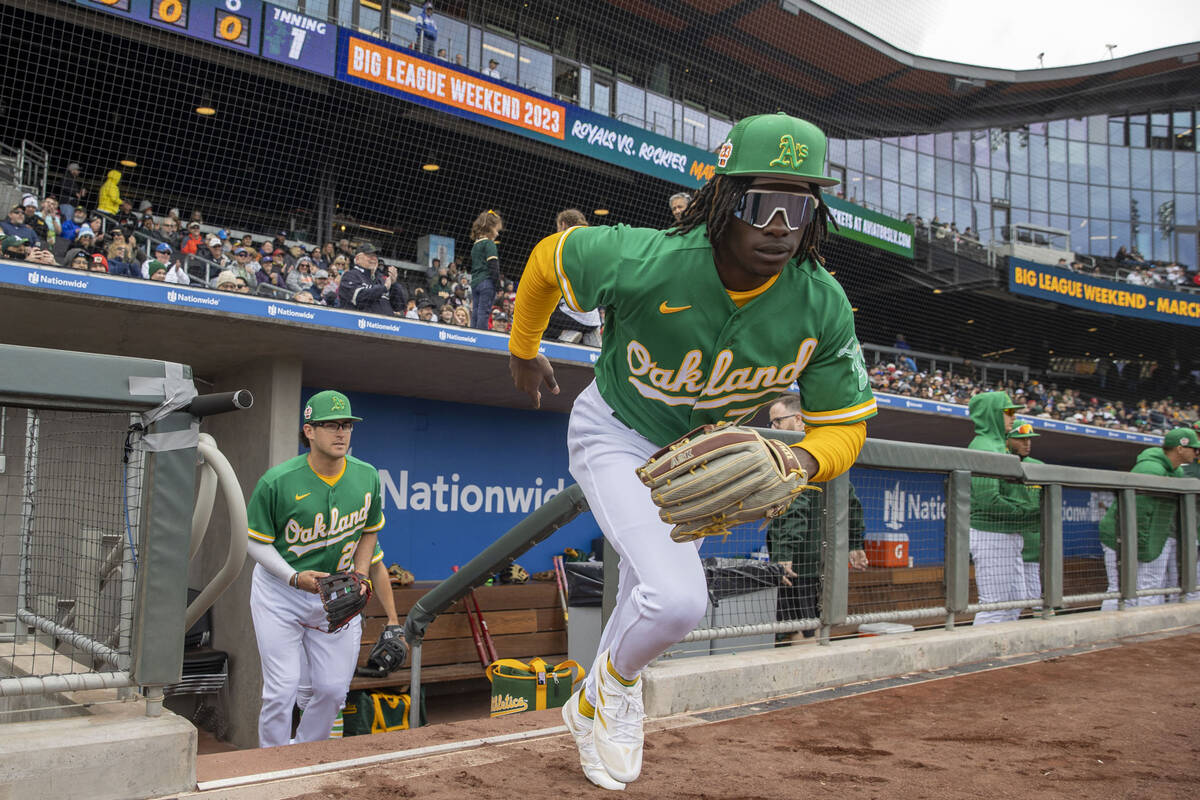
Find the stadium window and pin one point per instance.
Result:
(1077, 161)
(839, 172)
(566, 80)
(602, 95)
(1058, 129)
(1182, 131)
(1077, 129)
(1118, 166)
(1160, 131)
(1137, 130)
(1117, 134)
(1118, 204)
(1097, 130)
(1097, 164)
(891, 162)
(1098, 201)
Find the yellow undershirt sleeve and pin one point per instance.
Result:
(835, 447)
(537, 297)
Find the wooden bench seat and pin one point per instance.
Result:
(525, 620)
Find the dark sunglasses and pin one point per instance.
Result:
(758, 207)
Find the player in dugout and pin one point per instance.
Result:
(709, 321)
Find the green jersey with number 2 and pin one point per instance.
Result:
(678, 353)
(315, 525)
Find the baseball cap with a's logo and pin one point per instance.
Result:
(1181, 437)
(328, 405)
(775, 144)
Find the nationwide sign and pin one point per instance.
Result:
(1098, 294)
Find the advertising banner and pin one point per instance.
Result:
(1101, 295)
(870, 227)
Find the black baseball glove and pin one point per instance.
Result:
(343, 598)
(387, 655)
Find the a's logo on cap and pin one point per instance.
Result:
(337, 404)
(790, 154)
(724, 153)
(308, 412)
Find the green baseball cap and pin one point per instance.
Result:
(1181, 437)
(1022, 430)
(328, 405)
(775, 144)
(12, 241)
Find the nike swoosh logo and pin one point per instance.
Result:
(302, 496)
(663, 308)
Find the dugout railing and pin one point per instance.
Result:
(99, 517)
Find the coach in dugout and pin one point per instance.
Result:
(997, 518)
(1157, 534)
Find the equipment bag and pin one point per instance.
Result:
(517, 686)
(377, 712)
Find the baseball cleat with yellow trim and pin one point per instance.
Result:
(618, 726)
(580, 727)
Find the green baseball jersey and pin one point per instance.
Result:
(485, 261)
(679, 353)
(316, 524)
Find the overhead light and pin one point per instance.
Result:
(937, 291)
(1051, 352)
(970, 322)
(205, 111)
(430, 167)
(601, 212)
(1092, 330)
(854, 308)
(128, 162)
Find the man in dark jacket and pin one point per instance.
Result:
(794, 539)
(15, 226)
(362, 287)
(71, 193)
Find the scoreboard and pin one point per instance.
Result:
(251, 26)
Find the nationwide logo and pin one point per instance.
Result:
(364, 324)
(900, 506)
(285, 311)
(195, 299)
(447, 336)
(592, 357)
(36, 278)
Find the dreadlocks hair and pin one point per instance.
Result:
(715, 203)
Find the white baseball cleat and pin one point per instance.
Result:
(618, 725)
(581, 728)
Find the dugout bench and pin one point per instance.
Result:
(525, 621)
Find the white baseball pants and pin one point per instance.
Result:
(1157, 574)
(1032, 572)
(999, 573)
(662, 592)
(289, 625)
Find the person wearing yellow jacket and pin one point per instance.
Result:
(110, 194)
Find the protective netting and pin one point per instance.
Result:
(69, 516)
(329, 123)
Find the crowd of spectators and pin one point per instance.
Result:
(1041, 399)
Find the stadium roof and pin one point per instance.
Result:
(850, 79)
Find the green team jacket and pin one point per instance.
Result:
(992, 508)
(1030, 497)
(796, 536)
(315, 525)
(678, 353)
(1155, 515)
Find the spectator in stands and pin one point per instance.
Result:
(328, 254)
(343, 247)
(85, 239)
(1122, 255)
(99, 263)
(241, 266)
(426, 31)
(500, 321)
(110, 193)
(398, 295)
(363, 288)
(425, 311)
(304, 296)
(169, 233)
(35, 221)
(322, 292)
(77, 259)
(292, 255)
(216, 253)
(970, 234)
(457, 297)
(996, 518)
(318, 259)
(146, 224)
(71, 226)
(125, 215)
(493, 69)
(678, 202)
(485, 266)
(15, 226)
(71, 193)
(1157, 526)
(446, 314)
(901, 343)
(795, 539)
(227, 282)
(13, 247)
(119, 262)
(302, 276)
(458, 60)
(195, 217)
(194, 241)
(242, 286)
(269, 273)
(156, 270)
(162, 254)
(462, 317)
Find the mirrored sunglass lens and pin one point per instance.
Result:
(757, 208)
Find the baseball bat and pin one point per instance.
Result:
(479, 649)
(487, 635)
(560, 579)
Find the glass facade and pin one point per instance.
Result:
(1111, 182)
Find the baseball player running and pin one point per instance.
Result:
(707, 322)
(310, 516)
